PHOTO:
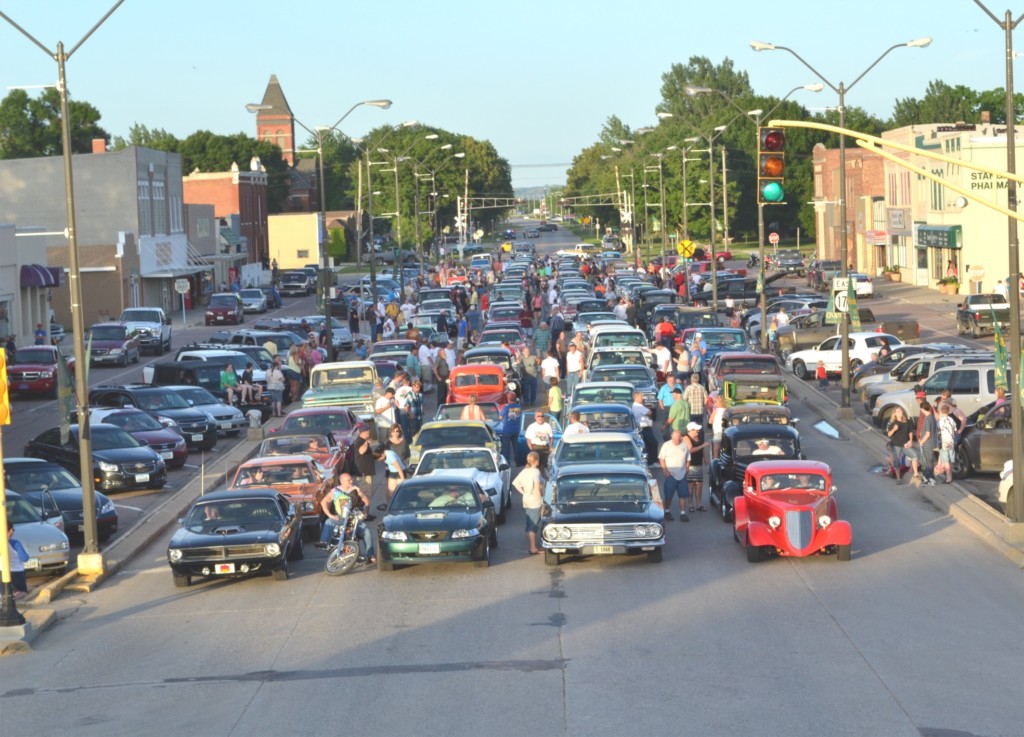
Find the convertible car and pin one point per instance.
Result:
(741, 446)
(788, 508)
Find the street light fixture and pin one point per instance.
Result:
(845, 411)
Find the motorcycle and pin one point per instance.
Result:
(344, 546)
(753, 261)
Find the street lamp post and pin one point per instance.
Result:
(711, 138)
(845, 411)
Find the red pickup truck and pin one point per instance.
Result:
(33, 370)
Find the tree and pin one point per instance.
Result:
(140, 135)
(31, 126)
(940, 104)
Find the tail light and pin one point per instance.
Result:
(879, 329)
(977, 316)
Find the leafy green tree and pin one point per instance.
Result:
(337, 246)
(139, 135)
(941, 104)
(30, 126)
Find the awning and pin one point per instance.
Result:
(176, 272)
(35, 275)
(940, 236)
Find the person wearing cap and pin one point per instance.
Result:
(694, 438)
(539, 437)
(674, 457)
(678, 412)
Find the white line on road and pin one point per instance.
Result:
(125, 506)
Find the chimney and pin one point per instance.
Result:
(986, 117)
(99, 146)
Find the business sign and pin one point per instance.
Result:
(899, 221)
(940, 236)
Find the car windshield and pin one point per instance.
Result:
(615, 451)
(481, 460)
(140, 316)
(34, 355)
(779, 481)
(361, 376)
(132, 421)
(108, 332)
(592, 395)
(112, 438)
(321, 422)
(197, 395)
(223, 300)
(634, 376)
(20, 512)
(418, 497)
(451, 436)
(245, 515)
(154, 401)
(251, 294)
(270, 474)
(727, 341)
(629, 339)
(467, 379)
(754, 447)
(294, 444)
(604, 420)
(744, 392)
(39, 476)
(615, 357)
(751, 365)
(454, 411)
(295, 276)
(601, 489)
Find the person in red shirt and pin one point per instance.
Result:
(666, 332)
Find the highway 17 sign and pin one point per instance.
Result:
(840, 288)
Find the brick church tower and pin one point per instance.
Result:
(276, 123)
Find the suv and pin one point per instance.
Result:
(33, 369)
(260, 355)
(113, 342)
(972, 386)
(152, 325)
(295, 284)
(206, 374)
(199, 431)
(222, 356)
(283, 339)
(916, 369)
(225, 307)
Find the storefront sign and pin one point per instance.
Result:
(940, 236)
(899, 221)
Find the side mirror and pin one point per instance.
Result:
(504, 467)
(488, 504)
(291, 511)
(382, 507)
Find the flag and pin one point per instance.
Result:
(1002, 355)
(760, 281)
(851, 304)
(65, 395)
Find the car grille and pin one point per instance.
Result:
(99, 351)
(195, 426)
(595, 533)
(23, 375)
(799, 528)
(162, 446)
(430, 536)
(224, 553)
(144, 467)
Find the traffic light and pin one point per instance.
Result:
(5, 397)
(771, 166)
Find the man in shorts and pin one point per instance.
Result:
(674, 457)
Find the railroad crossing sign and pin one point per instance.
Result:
(773, 238)
(685, 248)
(840, 293)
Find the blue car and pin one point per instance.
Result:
(611, 417)
(522, 448)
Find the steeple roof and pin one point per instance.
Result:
(274, 97)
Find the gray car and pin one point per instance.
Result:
(44, 540)
(253, 300)
(229, 420)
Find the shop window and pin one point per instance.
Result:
(922, 258)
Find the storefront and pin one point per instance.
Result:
(939, 246)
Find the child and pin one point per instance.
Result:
(821, 375)
(361, 350)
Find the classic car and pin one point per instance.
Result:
(299, 477)
(54, 492)
(615, 417)
(498, 335)
(321, 447)
(522, 447)
(487, 381)
(861, 346)
(230, 420)
(595, 447)
(497, 356)
(751, 364)
(788, 508)
(141, 426)
(33, 370)
(741, 446)
(620, 392)
(453, 411)
(438, 518)
(489, 470)
(980, 313)
(112, 342)
(44, 539)
(341, 423)
(119, 461)
(751, 389)
(167, 408)
(346, 384)
(236, 533)
(602, 509)
(986, 442)
(642, 379)
(599, 357)
(452, 434)
(683, 317)
(391, 349)
(749, 414)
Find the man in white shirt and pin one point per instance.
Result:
(573, 368)
(539, 437)
(675, 462)
(384, 413)
(549, 369)
(575, 426)
(664, 359)
(620, 310)
(642, 415)
(426, 359)
(553, 296)
(408, 310)
(782, 317)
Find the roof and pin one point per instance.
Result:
(603, 469)
(274, 97)
(597, 437)
(765, 429)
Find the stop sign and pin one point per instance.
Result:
(773, 238)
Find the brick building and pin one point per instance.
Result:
(235, 192)
(275, 123)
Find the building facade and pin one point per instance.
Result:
(27, 286)
(235, 193)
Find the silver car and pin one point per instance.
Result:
(253, 300)
(44, 540)
(229, 420)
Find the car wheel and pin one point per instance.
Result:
(725, 509)
(551, 559)
(157, 487)
(168, 346)
(281, 572)
(181, 580)
(502, 515)
(755, 553)
(493, 541)
(962, 467)
(124, 360)
(485, 558)
(799, 369)
(1008, 504)
(844, 552)
(885, 415)
(137, 354)
(654, 556)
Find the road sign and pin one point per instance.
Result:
(976, 273)
(685, 248)
(832, 317)
(181, 286)
(840, 293)
(773, 238)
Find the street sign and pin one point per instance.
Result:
(773, 238)
(685, 248)
(181, 286)
(976, 273)
(833, 316)
(840, 293)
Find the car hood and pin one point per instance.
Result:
(144, 454)
(485, 479)
(134, 326)
(220, 411)
(342, 391)
(233, 535)
(35, 534)
(180, 414)
(156, 436)
(794, 499)
(106, 344)
(432, 519)
(27, 367)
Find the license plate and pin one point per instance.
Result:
(430, 548)
(225, 425)
(142, 478)
(22, 387)
(603, 550)
(166, 455)
(224, 568)
(197, 438)
(33, 564)
(220, 317)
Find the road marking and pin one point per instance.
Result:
(189, 465)
(125, 506)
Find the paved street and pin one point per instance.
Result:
(912, 637)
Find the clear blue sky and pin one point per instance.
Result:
(537, 79)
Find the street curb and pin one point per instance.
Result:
(953, 499)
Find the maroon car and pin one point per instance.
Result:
(33, 370)
(144, 428)
(225, 308)
(112, 342)
(338, 422)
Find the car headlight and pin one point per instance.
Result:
(108, 467)
(272, 549)
(397, 536)
(115, 351)
(179, 443)
(554, 533)
(174, 555)
(648, 530)
(46, 374)
(209, 314)
(462, 534)
(774, 522)
(167, 422)
(107, 508)
(54, 547)
(824, 520)
(308, 506)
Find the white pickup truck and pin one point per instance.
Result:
(152, 325)
(582, 250)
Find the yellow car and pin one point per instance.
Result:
(453, 434)
(507, 246)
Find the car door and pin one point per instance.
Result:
(965, 387)
(830, 352)
(995, 436)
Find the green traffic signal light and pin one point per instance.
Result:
(772, 191)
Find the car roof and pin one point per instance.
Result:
(584, 438)
(762, 429)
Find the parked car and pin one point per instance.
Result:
(119, 461)
(986, 442)
(33, 370)
(487, 381)
(152, 325)
(758, 414)
(112, 342)
(490, 471)
(595, 447)
(229, 420)
(253, 300)
(224, 308)
(169, 409)
(44, 539)
(440, 517)
(981, 313)
(236, 533)
(343, 424)
(599, 417)
(915, 370)
(141, 426)
(53, 491)
(347, 384)
(752, 389)
(807, 331)
(453, 411)
(452, 434)
(742, 445)
(739, 362)
(861, 346)
(300, 478)
(295, 284)
(321, 447)
(788, 508)
(641, 377)
(602, 509)
(972, 386)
